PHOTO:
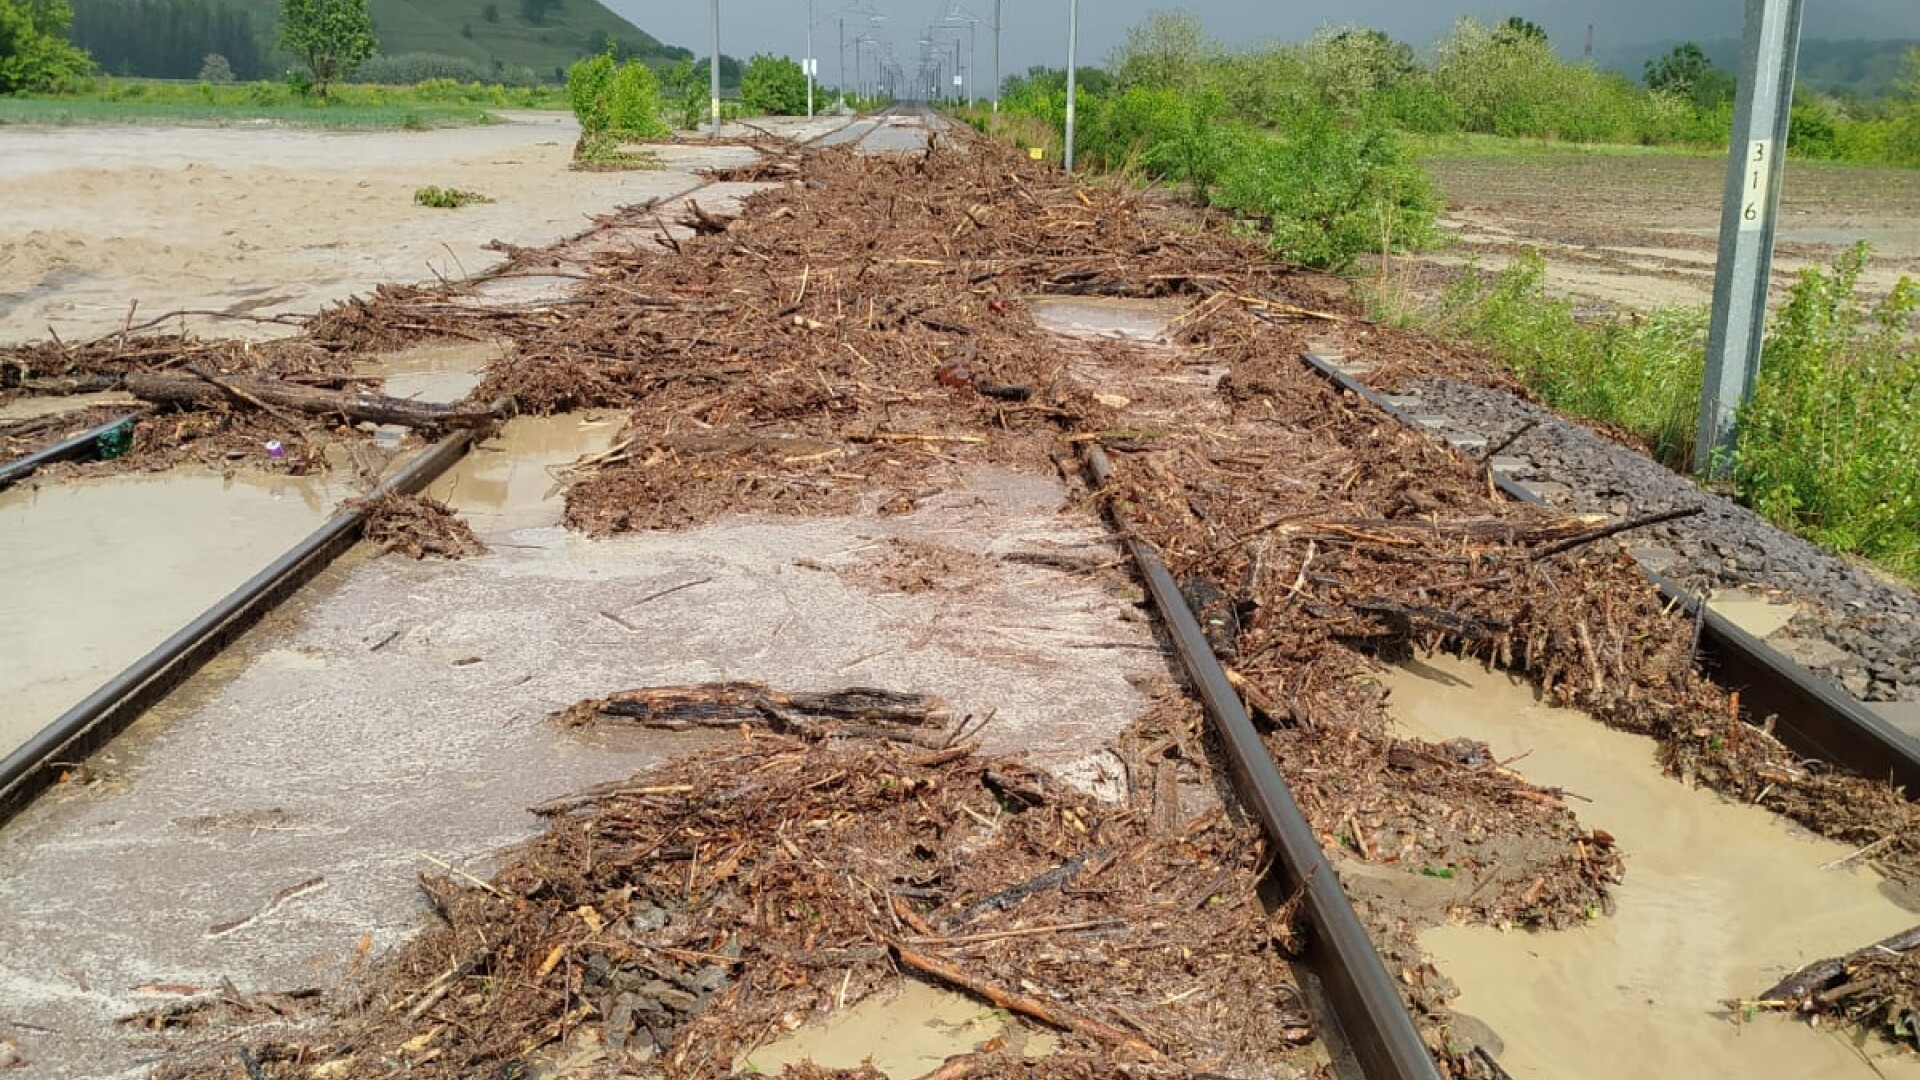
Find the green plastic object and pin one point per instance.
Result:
(115, 441)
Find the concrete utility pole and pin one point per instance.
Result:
(996, 56)
(1748, 220)
(714, 75)
(810, 64)
(1073, 83)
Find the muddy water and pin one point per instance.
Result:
(1757, 615)
(33, 408)
(904, 1034)
(1097, 317)
(1719, 901)
(436, 374)
(510, 481)
(94, 574)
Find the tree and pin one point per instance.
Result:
(1519, 31)
(536, 12)
(491, 13)
(331, 37)
(35, 56)
(774, 86)
(1687, 73)
(1169, 49)
(216, 69)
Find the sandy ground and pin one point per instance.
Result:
(260, 221)
(1642, 231)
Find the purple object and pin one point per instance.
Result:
(275, 450)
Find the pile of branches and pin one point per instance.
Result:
(674, 921)
(1340, 537)
(1877, 988)
(417, 526)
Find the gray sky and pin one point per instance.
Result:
(1035, 31)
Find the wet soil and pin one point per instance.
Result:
(1640, 231)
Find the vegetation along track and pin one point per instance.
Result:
(851, 341)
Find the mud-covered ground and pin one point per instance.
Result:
(1640, 230)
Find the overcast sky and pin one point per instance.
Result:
(1035, 31)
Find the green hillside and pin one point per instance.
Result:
(517, 39)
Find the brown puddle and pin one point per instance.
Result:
(1755, 614)
(904, 1034)
(1719, 901)
(437, 374)
(508, 482)
(95, 573)
(1105, 317)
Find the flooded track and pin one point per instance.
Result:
(1716, 897)
(1814, 716)
(274, 811)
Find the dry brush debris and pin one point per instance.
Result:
(672, 922)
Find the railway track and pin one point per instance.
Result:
(1362, 996)
(1810, 715)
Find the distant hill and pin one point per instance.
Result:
(1622, 21)
(492, 38)
(1856, 68)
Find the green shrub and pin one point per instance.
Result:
(1638, 373)
(618, 100)
(448, 198)
(774, 86)
(589, 86)
(35, 56)
(415, 68)
(1328, 190)
(1830, 443)
(1164, 133)
(633, 107)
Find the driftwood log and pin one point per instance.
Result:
(726, 704)
(166, 388)
(1805, 988)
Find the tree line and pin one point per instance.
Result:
(171, 39)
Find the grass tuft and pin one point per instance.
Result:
(448, 198)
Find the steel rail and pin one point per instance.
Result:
(65, 450)
(32, 767)
(1365, 999)
(1810, 715)
(35, 765)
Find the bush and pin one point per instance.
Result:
(1162, 132)
(1327, 190)
(621, 101)
(633, 108)
(1830, 443)
(774, 86)
(1641, 374)
(215, 69)
(448, 198)
(410, 69)
(35, 56)
(589, 92)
